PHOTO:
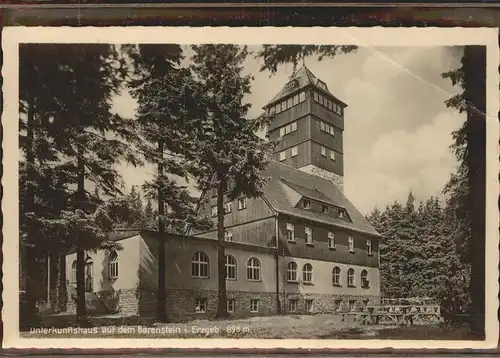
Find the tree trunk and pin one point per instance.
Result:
(161, 314)
(30, 263)
(81, 309)
(221, 254)
(475, 94)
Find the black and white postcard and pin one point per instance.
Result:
(250, 187)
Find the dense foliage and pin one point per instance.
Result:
(418, 254)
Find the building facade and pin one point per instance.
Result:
(301, 247)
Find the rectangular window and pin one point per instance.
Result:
(295, 151)
(231, 303)
(289, 102)
(294, 126)
(369, 247)
(228, 207)
(331, 240)
(214, 211)
(200, 305)
(320, 99)
(282, 155)
(341, 213)
(323, 151)
(254, 306)
(332, 130)
(352, 305)
(309, 235)
(290, 232)
(327, 102)
(330, 105)
(309, 305)
(296, 100)
(316, 96)
(283, 106)
(324, 209)
(288, 129)
(322, 126)
(302, 96)
(282, 131)
(351, 244)
(242, 203)
(228, 236)
(278, 108)
(306, 204)
(332, 155)
(292, 305)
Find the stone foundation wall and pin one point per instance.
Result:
(324, 303)
(181, 304)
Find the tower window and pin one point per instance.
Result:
(302, 96)
(332, 155)
(323, 151)
(283, 106)
(294, 126)
(321, 99)
(288, 129)
(278, 108)
(296, 100)
(332, 130)
(316, 96)
(295, 151)
(282, 131)
(322, 126)
(282, 155)
(289, 102)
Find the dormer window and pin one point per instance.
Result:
(322, 85)
(324, 209)
(306, 204)
(341, 213)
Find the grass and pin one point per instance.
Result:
(323, 326)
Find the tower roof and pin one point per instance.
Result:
(302, 78)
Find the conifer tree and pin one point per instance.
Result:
(229, 154)
(166, 95)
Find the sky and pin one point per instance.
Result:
(397, 126)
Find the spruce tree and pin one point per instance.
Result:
(229, 155)
(166, 94)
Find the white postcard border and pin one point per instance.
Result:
(376, 36)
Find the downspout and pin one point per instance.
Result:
(278, 303)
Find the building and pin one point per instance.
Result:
(301, 247)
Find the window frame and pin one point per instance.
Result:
(323, 151)
(229, 205)
(325, 209)
(282, 155)
(351, 277)
(337, 276)
(214, 211)
(294, 126)
(332, 155)
(244, 205)
(290, 228)
(306, 204)
(113, 265)
(364, 279)
(196, 261)
(198, 302)
(307, 303)
(369, 248)
(231, 266)
(228, 305)
(308, 233)
(350, 241)
(307, 273)
(292, 305)
(252, 268)
(292, 270)
(228, 234)
(257, 304)
(302, 96)
(331, 239)
(296, 148)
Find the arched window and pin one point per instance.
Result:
(336, 276)
(89, 275)
(253, 269)
(113, 265)
(364, 279)
(307, 273)
(291, 272)
(230, 268)
(350, 277)
(73, 272)
(199, 265)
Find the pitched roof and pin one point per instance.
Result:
(303, 77)
(322, 190)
